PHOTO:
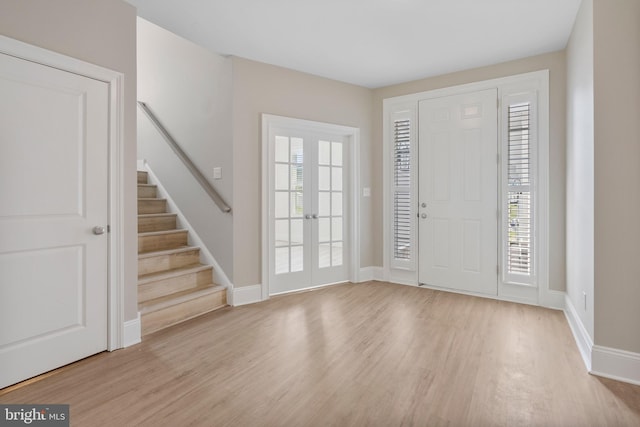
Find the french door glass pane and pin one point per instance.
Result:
(282, 232)
(324, 203)
(282, 149)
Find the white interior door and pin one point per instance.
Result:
(53, 192)
(307, 226)
(458, 190)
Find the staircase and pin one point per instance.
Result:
(173, 286)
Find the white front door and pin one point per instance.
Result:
(307, 218)
(458, 190)
(53, 192)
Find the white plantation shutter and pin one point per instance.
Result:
(519, 200)
(403, 169)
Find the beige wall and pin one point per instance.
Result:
(617, 173)
(190, 90)
(580, 172)
(102, 33)
(555, 63)
(261, 88)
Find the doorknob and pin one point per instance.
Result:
(314, 216)
(98, 230)
(423, 216)
(307, 216)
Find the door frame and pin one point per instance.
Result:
(352, 138)
(116, 217)
(535, 80)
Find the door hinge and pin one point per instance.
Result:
(108, 229)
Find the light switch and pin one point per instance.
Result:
(366, 192)
(217, 173)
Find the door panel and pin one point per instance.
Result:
(53, 191)
(458, 184)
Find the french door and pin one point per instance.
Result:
(458, 192)
(308, 184)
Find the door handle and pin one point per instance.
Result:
(98, 230)
(423, 215)
(314, 216)
(307, 216)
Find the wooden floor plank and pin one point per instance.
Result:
(371, 354)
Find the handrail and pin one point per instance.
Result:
(186, 160)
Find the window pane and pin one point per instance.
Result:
(296, 177)
(282, 260)
(296, 204)
(297, 258)
(282, 204)
(336, 181)
(296, 150)
(336, 229)
(282, 177)
(324, 152)
(324, 255)
(324, 203)
(282, 149)
(336, 203)
(336, 153)
(324, 180)
(336, 254)
(324, 230)
(282, 232)
(296, 232)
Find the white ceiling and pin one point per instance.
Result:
(371, 43)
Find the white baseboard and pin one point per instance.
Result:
(370, 273)
(580, 334)
(616, 364)
(132, 332)
(244, 295)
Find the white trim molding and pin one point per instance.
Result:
(616, 364)
(132, 332)
(580, 334)
(243, 295)
(116, 217)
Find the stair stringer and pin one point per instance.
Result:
(219, 276)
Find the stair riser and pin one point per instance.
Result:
(162, 242)
(167, 262)
(160, 319)
(156, 224)
(142, 177)
(152, 206)
(147, 192)
(170, 286)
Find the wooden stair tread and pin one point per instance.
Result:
(157, 215)
(151, 199)
(179, 298)
(162, 232)
(181, 249)
(174, 272)
(146, 185)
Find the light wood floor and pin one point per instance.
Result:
(371, 354)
